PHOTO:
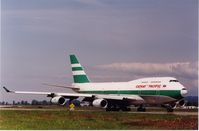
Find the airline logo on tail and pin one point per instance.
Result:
(79, 76)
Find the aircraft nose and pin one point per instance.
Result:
(184, 92)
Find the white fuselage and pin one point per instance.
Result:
(167, 87)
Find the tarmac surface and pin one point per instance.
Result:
(185, 112)
(180, 113)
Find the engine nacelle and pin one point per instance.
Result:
(58, 100)
(181, 103)
(100, 103)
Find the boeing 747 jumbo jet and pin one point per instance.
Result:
(115, 96)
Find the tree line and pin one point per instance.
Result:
(36, 102)
(23, 102)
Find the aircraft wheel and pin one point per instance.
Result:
(141, 109)
(112, 108)
(116, 109)
(125, 109)
(108, 109)
(169, 109)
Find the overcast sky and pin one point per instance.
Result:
(115, 40)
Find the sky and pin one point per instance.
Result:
(115, 40)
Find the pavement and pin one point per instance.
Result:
(180, 113)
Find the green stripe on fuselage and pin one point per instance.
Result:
(171, 93)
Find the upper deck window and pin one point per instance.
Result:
(173, 81)
(144, 81)
(155, 81)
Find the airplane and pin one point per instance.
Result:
(167, 92)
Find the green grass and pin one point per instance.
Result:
(63, 119)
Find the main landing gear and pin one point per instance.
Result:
(116, 108)
(141, 108)
(168, 107)
(112, 109)
(125, 108)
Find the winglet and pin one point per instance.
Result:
(6, 89)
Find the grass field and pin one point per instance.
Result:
(63, 119)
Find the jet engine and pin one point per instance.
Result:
(180, 103)
(100, 103)
(58, 100)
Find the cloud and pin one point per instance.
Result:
(185, 72)
(181, 69)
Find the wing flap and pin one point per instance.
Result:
(54, 85)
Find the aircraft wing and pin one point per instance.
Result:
(50, 94)
(76, 95)
(54, 85)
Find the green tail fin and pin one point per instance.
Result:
(79, 76)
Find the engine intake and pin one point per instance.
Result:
(58, 100)
(100, 103)
(182, 102)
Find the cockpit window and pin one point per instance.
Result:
(173, 81)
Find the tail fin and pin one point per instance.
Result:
(79, 76)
